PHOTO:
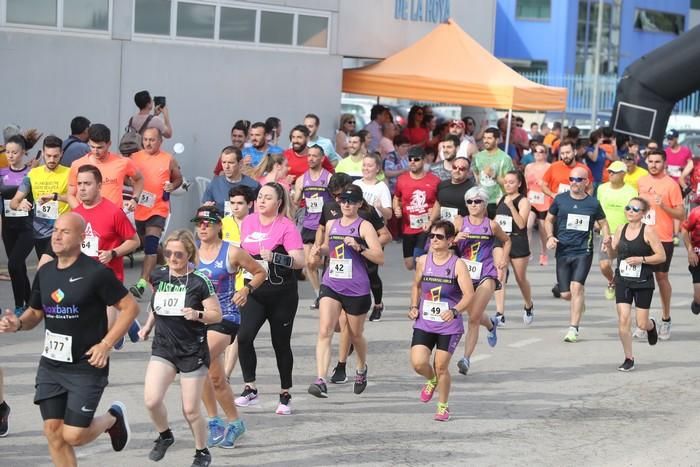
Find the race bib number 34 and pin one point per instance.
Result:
(577, 222)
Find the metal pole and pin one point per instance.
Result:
(510, 118)
(596, 66)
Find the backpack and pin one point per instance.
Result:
(131, 141)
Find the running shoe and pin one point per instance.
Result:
(639, 333)
(528, 315)
(339, 375)
(610, 292)
(463, 365)
(544, 259)
(160, 446)
(119, 344)
(695, 308)
(376, 314)
(284, 407)
(501, 320)
(315, 304)
(138, 289)
(249, 396)
(555, 291)
(120, 432)
(134, 331)
(360, 381)
(571, 335)
(652, 336)
(676, 240)
(492, 336)
(234, 430)
(19, 310)
(318, 388)
(428, 390)
(442, 414)
(202, 459)
(665, 330)
(4, 419)
(216, 429)
(627, 365)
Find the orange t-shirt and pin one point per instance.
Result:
(114, 170)
(650, 187)
(557, 176)
(155, 170)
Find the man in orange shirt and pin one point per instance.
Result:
(556, 178)
(161, 176)
(114, 169)
(664, 197)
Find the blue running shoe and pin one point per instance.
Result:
(234, 430)
(120, 343)
(463, 365)
(492, 337)
(216, 431)
(134, 331)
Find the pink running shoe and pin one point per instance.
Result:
(428, 390)
(544, 259)
(442, 414)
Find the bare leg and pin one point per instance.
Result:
(520, 273)
(191, 388)
(329, 311)
(623, 314)
(231, 358)
(606, 270)
(577, 302)
(356, 327)
(218, 343)
(502, 274)
(312, 271)
(159, 376)
(344, 343)
(481, 298)
(442, 362)
(62, 453)
(665, 291)
(420, 360)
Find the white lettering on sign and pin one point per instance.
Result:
(429, 11)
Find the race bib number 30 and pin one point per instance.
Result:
(58, 347)
(48, 210)
(433, 310)
(169, 303)
(474, 268)
(577, 222)
(340, 268)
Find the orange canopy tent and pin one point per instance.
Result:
(449, 66)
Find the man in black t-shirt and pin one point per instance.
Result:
(71, 295)
(450, 194)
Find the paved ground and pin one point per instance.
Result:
(533, 400)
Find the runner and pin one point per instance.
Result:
(634, 172)
(375, 192)
(450, 193)
(477, 234)
(74, 366)
(490, 166)
(665, 204)
(345, 286)
(183, 303)
(4, 409)
(569, 225)
(447, 154)
(311, 187)
(231, 176)
(637, 248)
(273, 240)
(539, 202)
(297, 154)
(442, 290)
(512, 212)
(690, 232)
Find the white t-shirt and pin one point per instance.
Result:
(372, 193)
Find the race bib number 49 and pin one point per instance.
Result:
(433, 310)
(417, 222)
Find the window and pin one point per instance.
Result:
(586, 36)
(658, 21)
(152, 17)
(276, 28)
(86, 14)
(195, 20)
(695, 4)
(312, 31)
(237, 24)
(533, 9)
(37, 12)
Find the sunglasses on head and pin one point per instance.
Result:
(179, 255)
(475, 201)
(632, 208)
(577, 179)
(436, 235)
(415, 159)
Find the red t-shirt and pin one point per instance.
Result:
(416, 135)
(692, 225)
(298, 164)
(110, 225)
(417, 197)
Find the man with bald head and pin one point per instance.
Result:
(569, 227)
(71, 295)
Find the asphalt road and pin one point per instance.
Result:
(531, 400)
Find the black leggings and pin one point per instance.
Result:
(18, 245)
(375, 282)
(279, 308)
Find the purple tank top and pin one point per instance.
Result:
(347, 271)
(315, 196)
(477, 249)
(439, 289)
(13, 177)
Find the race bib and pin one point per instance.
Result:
(418, 221)
(228, 212)
(506, 223)
(169, 303)
(535, 197)
(89, 246)
(147, 199)
(474, 268)
(433, 310)
(627, 270)
(11, 212)
(314, 205)
(265, 265)
(448, 214)
(48, 210)
(577, 222)
(674, 171)
(563, 188)
(340, 268)
(650, 217)
(58, 347)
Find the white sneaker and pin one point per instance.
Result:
(639, 333)
(527, 318)
(501, 320)
(665, 330)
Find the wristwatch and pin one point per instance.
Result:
(250, 287)
(200, 315)
(454, 311)
(55, 196)
(113, 253)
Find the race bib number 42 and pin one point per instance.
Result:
(340, 268)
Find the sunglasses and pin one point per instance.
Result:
(612, 172)
(179, 255)
(204, 223)
(629, 158)
(459, 169)
(415, 159)
(541, 151)
(436, 235)
(632, 208)
(347, 201)
(475, 201)
(351, 122)
(577, 179)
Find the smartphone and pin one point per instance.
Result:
(282, 260)
(38, 154)
(159, 101)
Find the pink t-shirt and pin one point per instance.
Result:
(280, 232)
(677, 160)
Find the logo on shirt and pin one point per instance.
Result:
(219, 264)
(435, 293)
(88, 230)
(340, 251)
(418, 201)
(256, 237)
(57, 295)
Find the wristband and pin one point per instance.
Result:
(113, 253)
(644, 260)
(106, 343)
(55, 196)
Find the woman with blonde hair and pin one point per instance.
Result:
(273, 168)
(348, 124)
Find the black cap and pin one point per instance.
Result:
(416, 151)
(672, 134)
(354, 196)
(207, 213)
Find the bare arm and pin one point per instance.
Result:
(415, 288)
(374, 251)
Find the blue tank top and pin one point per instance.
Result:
(439, 289)
(315, 196)
(477, 249)
(223, 278)
(346, 273)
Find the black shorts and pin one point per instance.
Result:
(414, 244)
(153, 221)
(444, 342)
(695, 272)
(642, 297)
(225, 327)
(69, 396)
(541, 215)
(476, 284)
(194, 364)
(355, 306)
(308, 236)
(519, 246)
(666, 265)
(572, 269)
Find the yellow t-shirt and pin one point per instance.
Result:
(45, 181)
(631, 179)
(231, 232)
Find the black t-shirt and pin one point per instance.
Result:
(451, 195)
(182, 338)
(331, 210)
(74, 301)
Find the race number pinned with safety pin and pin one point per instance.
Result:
(432, 310)
(474, 268)
(48, 210)
(577, 222)
(505, 222)
(630, 270)
(169, 303)
(58, 347)
(340, 268)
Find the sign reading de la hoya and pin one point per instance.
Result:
(429, 11)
